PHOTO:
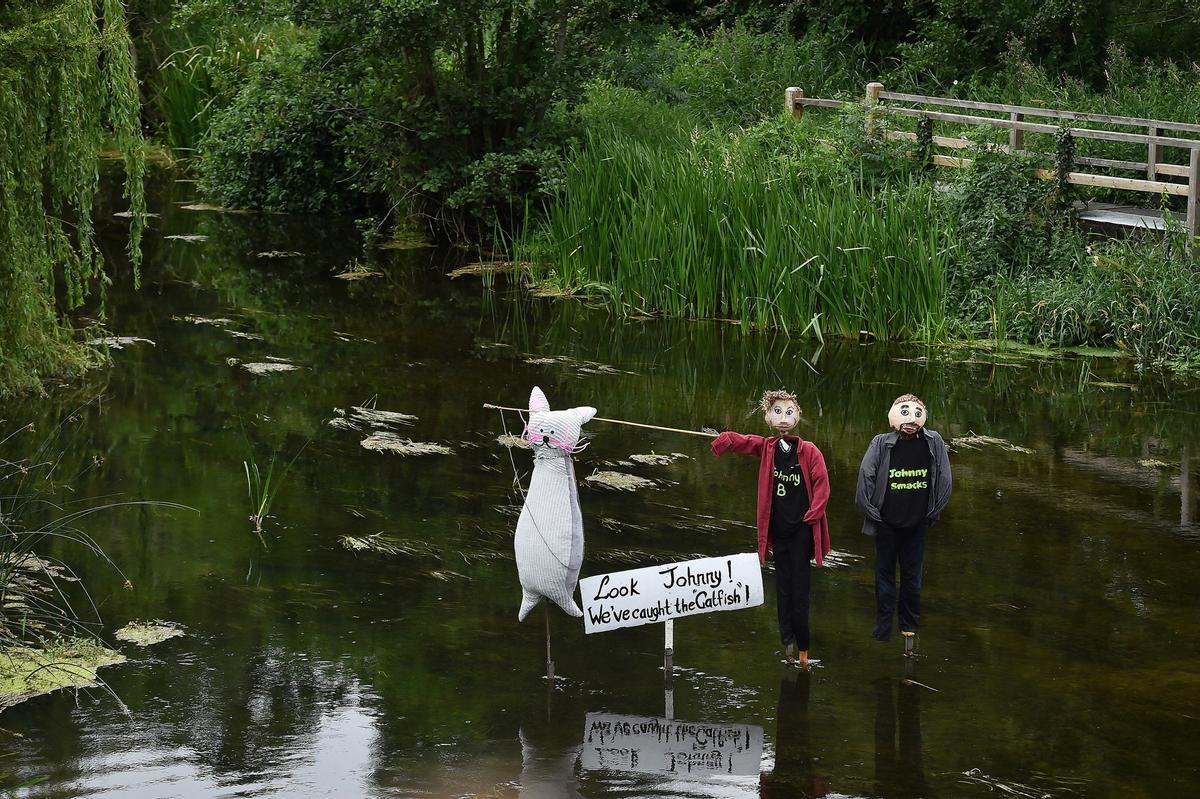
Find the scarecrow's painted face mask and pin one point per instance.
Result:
(907, 417)
(782, 416)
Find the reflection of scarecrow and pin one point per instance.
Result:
(794, 774)
(903, 486)
(898, 773)
(793, 489)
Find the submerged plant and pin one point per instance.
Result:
(262, 488)
(46, 643)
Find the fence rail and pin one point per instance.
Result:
(1153, 167)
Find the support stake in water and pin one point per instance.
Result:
(549, 660)
(668, 647)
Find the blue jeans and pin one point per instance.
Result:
(906, 547)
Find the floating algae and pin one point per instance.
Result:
(1150, 463)
(247, 336)
(510, 441)
(203, 320)
(582, 367)
(279, 254)
(376, 417)
(379, 543)
(149, 633)
(384, 441)
(619, 481)
(357, 274)
(26, 673)
(188, 237)
(480, 268)
(214, 208)
(973, 441)
(119, 342)
(359, 416)
(264, 368)
(654, 459)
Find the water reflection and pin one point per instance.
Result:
(548, 768)
(795, 773)
(899, 770)
(408, 676)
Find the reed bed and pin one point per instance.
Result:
(722, 228)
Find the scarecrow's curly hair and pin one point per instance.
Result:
(769, 398)
(909, 398)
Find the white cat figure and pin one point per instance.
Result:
(549, 540)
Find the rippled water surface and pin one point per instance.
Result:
(1060, 641)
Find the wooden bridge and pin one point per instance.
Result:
(1159, 137)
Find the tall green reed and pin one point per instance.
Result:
(716, 226)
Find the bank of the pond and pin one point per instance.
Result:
(817, 229)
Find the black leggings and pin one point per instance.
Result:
(793, 578)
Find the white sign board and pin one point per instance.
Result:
(657, 593)
(662, 746)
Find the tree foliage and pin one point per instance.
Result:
(67, 88)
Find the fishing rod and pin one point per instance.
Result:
(615, 421)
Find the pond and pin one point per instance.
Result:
(1060, 646)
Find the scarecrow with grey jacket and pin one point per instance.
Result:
(904, 485)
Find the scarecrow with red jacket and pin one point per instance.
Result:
(793, 489)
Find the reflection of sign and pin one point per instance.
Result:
(661, 746)
(658, 593)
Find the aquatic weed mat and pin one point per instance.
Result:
(619, 481)
(26, 672)
(384, 441)
(149, 633)
(656, 459)
(260, 368)
(975, 441)
(360, 416)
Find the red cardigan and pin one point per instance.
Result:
(816, 481)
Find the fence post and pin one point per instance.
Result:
(790, 95)
(1193, 204)
(1153, 155)
(873, 91)
(1016, 138)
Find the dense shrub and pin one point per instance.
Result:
(276, 145)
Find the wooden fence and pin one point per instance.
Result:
(1016, 121)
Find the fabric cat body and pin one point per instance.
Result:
(549, 538)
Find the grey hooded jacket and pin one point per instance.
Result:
(872, 478)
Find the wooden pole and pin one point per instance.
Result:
(1016, 138)
(549, 660)
(1185, 488)
(614, 421)
(1193, 203)
(1153, 154)
(790, 95)
(668, 647)
(873, 90)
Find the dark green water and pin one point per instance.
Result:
(1060, 653)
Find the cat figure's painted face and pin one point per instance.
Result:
(550, 431)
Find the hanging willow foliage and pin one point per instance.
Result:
(67, 88)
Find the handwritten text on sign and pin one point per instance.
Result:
(658, 593)
(663, 746)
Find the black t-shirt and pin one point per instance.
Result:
(906, 500)
(789, 495)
